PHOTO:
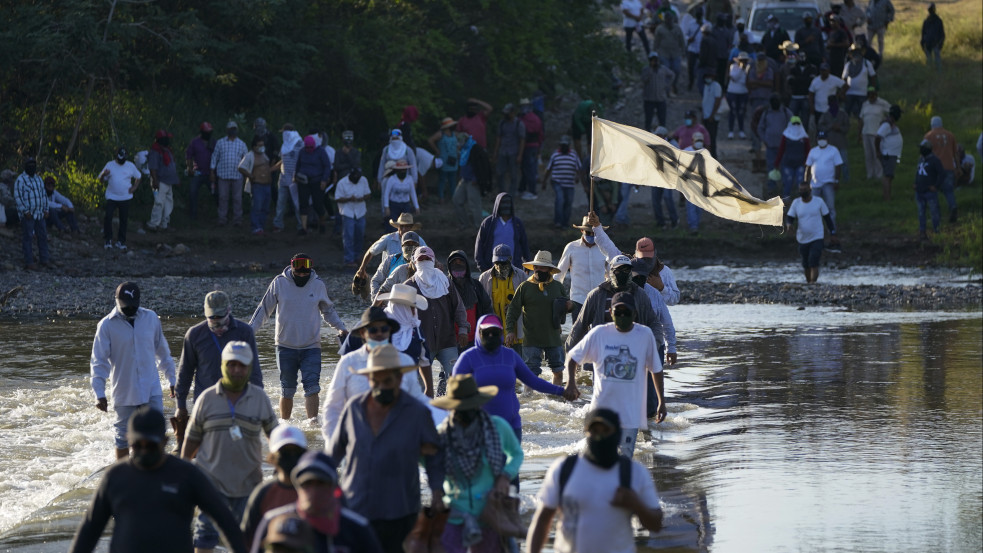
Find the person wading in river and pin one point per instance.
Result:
(128, 347)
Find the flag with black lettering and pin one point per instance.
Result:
(626, 154)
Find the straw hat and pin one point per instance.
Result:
(401, 164)
(463, 393)
(387, 358)
(405, 219)
(543, 259)
(586, 226)
(404, 294)
(447, 122)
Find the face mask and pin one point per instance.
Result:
(925, 151)
(424, 265)
(822, 143)
(688, 121)
(791, 61)
(218, 324)
(503, 270)
(348, 142)
(401, 174)
(621, 278)
(129, 311)
(775, 103)
(588, 239)
(147, 458)
(120, 161)
(458, 273)
(491, 343)
(261, 149)
(623, 322)
(465, 417)
(375, 343)
(543, 276)
(772, 25)
(354, 176)
(165, 142)
(206, 136)
(231, 133)
(31, 169)
(287, 461)
(505, 210)
(408, 252)
(806, 194)
(233, 384)
(300, 281)
(708, 81)
(384, 397)
(698, 145)
(603, 452)
(564, 149)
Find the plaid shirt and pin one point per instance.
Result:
(226, 158)
(30, 196)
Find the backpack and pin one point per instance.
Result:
(566, 469)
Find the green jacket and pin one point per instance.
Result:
(536, 309)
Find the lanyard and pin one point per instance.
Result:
(217, 345)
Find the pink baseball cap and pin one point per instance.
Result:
(645, 247)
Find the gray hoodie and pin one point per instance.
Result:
(297, 310)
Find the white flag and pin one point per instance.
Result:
(626, 154)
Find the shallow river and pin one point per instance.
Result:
(788, 430)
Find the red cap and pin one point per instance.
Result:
(645, 248)
(162, 134)
(205, 127)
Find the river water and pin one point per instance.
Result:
(788, 430)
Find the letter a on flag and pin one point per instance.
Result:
(626, 154)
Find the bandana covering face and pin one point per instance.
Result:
(408, 323)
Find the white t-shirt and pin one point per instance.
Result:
(824, 89)
(891, 139)
(634, 7)
(119, 182)
(348, 189)
(823, 162)
(737, 83)
(622, 361)
(858, 85)
(587, 521)
(971, 161)
(809, 219)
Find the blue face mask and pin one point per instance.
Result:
(688, 122)
(588, 239)
(372, 344)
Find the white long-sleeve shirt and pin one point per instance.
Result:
(670, 292)
(297, 311)
(586, 266)
(663, 317)
(128, 357)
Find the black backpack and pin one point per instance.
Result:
(566, 469)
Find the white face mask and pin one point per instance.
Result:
(424, 265)
(822, 143)
(262, 149)
(698, 145)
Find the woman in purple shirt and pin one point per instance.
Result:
(492, 364)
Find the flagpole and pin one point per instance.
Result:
(590, 145)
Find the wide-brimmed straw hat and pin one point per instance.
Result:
(387, 358)
(464, 393)
(404, 294)
(584, 225)
(401, 164)
(447, 122)
(543, 259)
(376, 314)
(405, 219)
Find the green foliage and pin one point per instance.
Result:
(81, 185)
(963, 247)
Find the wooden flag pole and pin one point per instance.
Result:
(590, 146)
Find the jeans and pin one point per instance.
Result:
(663, 196)
(453, 540)
(32, 227)
(629, 436)
(872, 157)
(676, 66)
(467, 200)
(930, 199)
(791, 177)
(624, 195)
(654, 108)
(160, 215)
(533, 357)
(738, 110)
(229, 188)
(563, 204)
(205, 535)
(308, 361)
(506, 165)
(935, 53)
(770, 155)
(693, 216)
(352, 236)
(712, 126)
(446, 182)
(262, 196)
(392, 532)
(948, 189)
(753, 106)
(845, 168)
(800, 107)
(107, 222)
(123, 414)
(692, 65)
(828, 194)
(530, 169)
(398, 208)
(56, 217)
(641, 34)
(446, 357)
(308, 194)
(285, 198)
(197, 181)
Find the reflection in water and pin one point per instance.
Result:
(805, 433)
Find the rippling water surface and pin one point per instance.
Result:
(788, 430)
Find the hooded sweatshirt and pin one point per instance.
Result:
(300, 327)
(485, 241)
(473, 296)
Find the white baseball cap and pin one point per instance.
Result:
(285, 434)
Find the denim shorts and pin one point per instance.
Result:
(811, 252)
(123, 414)
(308, 361)
(533, 357)
(205, 534)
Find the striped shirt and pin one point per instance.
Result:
(226, 158)
(30, 195)
(564, 168)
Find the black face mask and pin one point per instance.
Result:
(401, 174)
(31, 168)
(354, 176)
(505, 209)
(775, 103)
(503, 270)
(603, 452)
(300, 280)
(564, 149)
(807, 194)
(206, 136)
(465, 417)
(384, 397)
(491, 342)
(543, 276)
(287, 461)
(924, 151)
(120, 160)
(147, 458)
(620, 279)
(130, 311)
(165, 142)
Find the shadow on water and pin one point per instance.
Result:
(811, 437)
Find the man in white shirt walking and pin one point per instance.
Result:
(586, 265)
(809, 213)
(823, 166)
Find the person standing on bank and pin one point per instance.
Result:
(228, 152)
(256, 168)
(128, 347)
(122, 178)
(32, 207)
(298, 297)
(163, 178)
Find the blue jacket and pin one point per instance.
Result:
(483, 244)
(316, 165)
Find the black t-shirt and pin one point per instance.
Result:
(153, 509)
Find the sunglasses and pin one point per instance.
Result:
(377, 329)
(216, 317)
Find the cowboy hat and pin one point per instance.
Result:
(586, 226)
(376, 314)
(447, 122)
(463, 393)
(404, 294)
(543, 259)
(401, 164)
(405, 219)
(387, 358)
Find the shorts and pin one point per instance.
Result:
(810, 253)
(123, 414)
(307, 361)
(889, 163)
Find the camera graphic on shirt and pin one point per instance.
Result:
(621, 366)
